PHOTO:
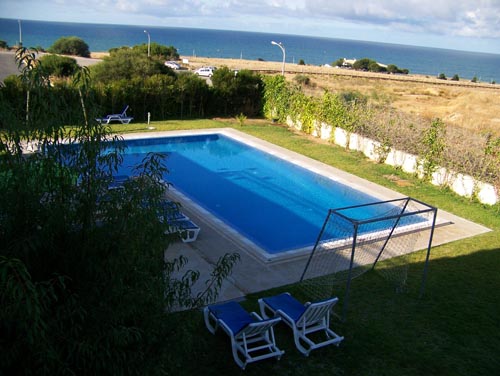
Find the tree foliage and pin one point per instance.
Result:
(433, 145)
(86, 279)
(70, 46)
(60, 66)
(128, 64)
(363, 64)
(240, 92)
(277, 97)
(157, 51)
(370, 65)
(338, 62)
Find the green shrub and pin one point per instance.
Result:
(301, 62)
(442, 76)
(302, 79)
(70, 46)
(127, 64)
(391, 68)
(60, 66)
(338, 62)
(455, 77)
(276, 97)
(159, 51)
(362, 64)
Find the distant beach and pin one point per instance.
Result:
(257, 46)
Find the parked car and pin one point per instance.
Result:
(172, 64)
(205, 71)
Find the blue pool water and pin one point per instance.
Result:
(276, 204)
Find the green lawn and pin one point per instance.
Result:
(454, 329)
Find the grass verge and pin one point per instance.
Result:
(451, 330)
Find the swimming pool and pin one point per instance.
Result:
(278, 205)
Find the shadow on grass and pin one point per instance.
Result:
(451, 330)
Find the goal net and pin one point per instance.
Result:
(358, 238)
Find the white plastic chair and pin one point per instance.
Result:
(122, 117)
(303, 319)
(252, 338)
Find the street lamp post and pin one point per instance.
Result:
(20, 34)
(280, 45)
(149, 43)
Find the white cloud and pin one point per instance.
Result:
(474, 19)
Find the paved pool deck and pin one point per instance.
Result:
(255, 272)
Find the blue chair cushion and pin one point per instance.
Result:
(288, 304)
(233, 315)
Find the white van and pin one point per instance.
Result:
(205, 71)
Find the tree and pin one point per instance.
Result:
(70, 46)
(442, 76)
(3, 44)
(373, 66)
(391, 68)
(84, 284)
(128, 63)
(301, 62)
(455, 77)
(338, 62)
(60, 66)
(362, 64)
(474, 79)
(239, 93)
(159, 51)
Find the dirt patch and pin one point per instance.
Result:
(398, 181)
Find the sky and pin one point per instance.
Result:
(472, 25)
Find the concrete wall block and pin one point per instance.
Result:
(487, 193)
(326, 131)
(340, 137)
(463, 185)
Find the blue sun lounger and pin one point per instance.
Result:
(303, 319)
(121, 117)
(187, 229)
(249, 333)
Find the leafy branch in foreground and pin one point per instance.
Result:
(84, 284)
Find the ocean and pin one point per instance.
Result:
(253, 46)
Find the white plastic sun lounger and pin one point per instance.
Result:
(303, 319)
(252, 338)
(122, 117)
(187, 229)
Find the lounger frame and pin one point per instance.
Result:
(122, 118)
(315, 318)
(252, 343)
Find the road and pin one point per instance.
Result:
(8, 64)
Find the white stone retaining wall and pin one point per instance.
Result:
(463, 185)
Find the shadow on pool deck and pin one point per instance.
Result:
(252, 273)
